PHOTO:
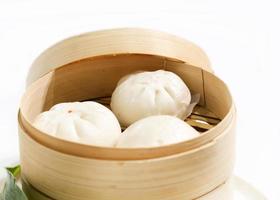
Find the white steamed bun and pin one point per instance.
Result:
(144, 94)
(156, 131)
(83, 122)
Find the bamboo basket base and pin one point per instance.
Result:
(201, 118)
(222, 192)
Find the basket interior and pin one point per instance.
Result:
(201, 118)
(96, 78)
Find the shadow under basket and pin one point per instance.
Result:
(64, 170)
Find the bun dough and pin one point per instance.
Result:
(150, 93)
(84, 122)
(156, 131)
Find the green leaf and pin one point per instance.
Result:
(11, 191)
(15, 171)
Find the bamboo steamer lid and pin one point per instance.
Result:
(72, 171)
(118, 41)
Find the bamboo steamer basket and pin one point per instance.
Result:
(89, 66)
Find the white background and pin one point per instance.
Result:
(240, 37)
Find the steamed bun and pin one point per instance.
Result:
(150, 93)
(156, 131)
(84, 122)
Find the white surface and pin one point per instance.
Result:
(240, 37)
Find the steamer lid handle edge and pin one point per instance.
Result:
(117, 41)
